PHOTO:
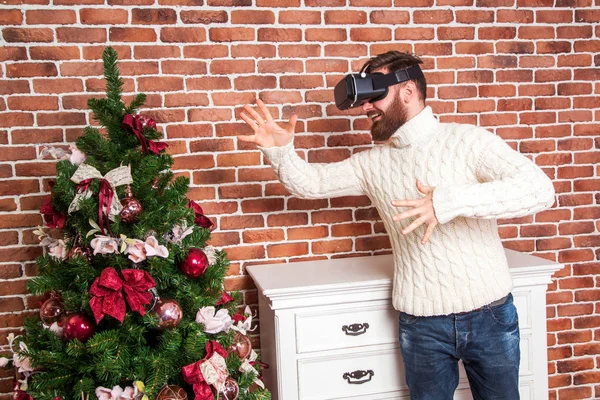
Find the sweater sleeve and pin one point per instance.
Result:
(312, 180)
(510, 185)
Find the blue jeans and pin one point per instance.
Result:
(486, 340)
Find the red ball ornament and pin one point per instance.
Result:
(146, 121)
(53, 310)
(242, 346)
(171, 392)
(230, 390)
(132, 208)
(195, 264)
(169, 314)
(79, 326)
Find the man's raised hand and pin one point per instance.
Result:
(267, 133)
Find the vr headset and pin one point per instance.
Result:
(357, 89)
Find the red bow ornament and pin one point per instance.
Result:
(211, 370)
(225, 298)
(53, 218)
(107, 293)
(201, 219)
(106, 206)
(136, 125)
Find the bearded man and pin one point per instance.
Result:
(439, 189)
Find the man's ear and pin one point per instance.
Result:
(409, 92)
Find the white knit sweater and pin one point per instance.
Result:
(477, 178)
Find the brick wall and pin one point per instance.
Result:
(525, 69)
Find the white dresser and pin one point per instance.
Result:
(328, 329)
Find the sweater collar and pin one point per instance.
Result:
(418, 128)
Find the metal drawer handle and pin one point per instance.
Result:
(355, 329)
(357, 375)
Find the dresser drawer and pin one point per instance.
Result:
(522, 301)
(340, 377)
(346, 327)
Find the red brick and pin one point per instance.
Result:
(287, 250)
(232, 34)
(96, 16)
(27, 35)
(292, 17)
(587, 16)
(389, 17)
(256, 174)
(414, 33)
(331, 246)
(263, 235)
(255, 82)
(13, 53)
(325, 65)
(241, 222)
(279, 66)
(262, 205)
(278, 3)
(153, 16)
(570, 228)
(536, 32)
(239, 191)
(574, 32)
(59, 85)
(33, 103)
(314, 232)
(433, 17)
(225, 67)
(45, 17)
(182, 35)
(158, 84)
(567, 256)
(279, 35)
(325, 3)
(245, 252)
(457, 92)
(370, 34)
(474, 16)
(587, 349)
(287, 219)
(253, 51)
(81, 35)
(61, 119)
(351, 229)
(24, 70)
(246, 17)
(208, 83)
(345, 17)
(205, 51)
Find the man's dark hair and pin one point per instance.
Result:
(394, 61)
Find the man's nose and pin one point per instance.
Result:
(367, 106)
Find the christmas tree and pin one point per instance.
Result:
(134, 305)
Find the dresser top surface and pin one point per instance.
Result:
(358, 271)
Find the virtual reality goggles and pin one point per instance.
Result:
(357, 89)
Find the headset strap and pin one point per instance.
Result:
(393, 78)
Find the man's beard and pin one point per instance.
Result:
(390, 121)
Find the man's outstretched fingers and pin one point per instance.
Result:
(265, 110)
(249, 121)
(259, 120)
(292, 123)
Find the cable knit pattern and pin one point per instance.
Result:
(477, 178)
